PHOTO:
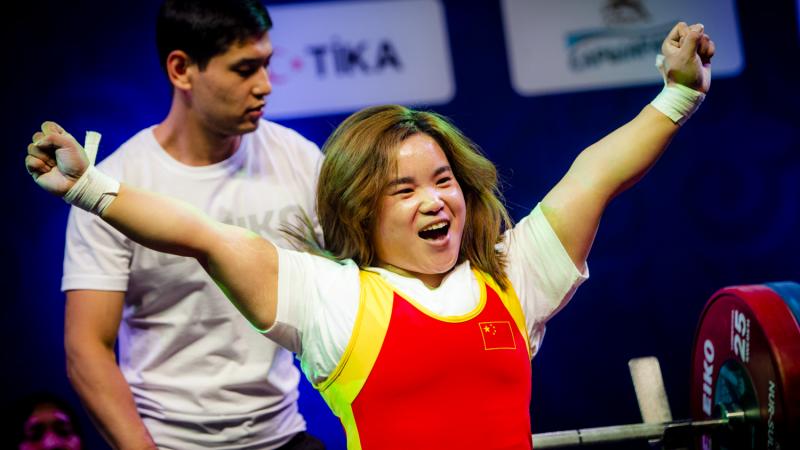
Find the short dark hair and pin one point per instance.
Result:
(206, 28)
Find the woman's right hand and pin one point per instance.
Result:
(55, 160)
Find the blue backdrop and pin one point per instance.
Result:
(719, 209)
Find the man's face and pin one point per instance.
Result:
(228, 97)
(49, 428)
(422, 213)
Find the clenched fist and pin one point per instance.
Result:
(55, 160)
(687, 54)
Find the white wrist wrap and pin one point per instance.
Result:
(676, 101)
(94, 190)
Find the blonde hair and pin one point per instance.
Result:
(359, 162)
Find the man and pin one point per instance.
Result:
(192, 372)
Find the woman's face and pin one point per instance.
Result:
(49, 428)
(421, 213)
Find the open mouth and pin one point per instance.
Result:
(435, 232)
(255, 109)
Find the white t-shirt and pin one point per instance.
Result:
(318, 298)
(201, 376)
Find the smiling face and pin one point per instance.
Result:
(229, 94)
(421, 213)
(407, 191)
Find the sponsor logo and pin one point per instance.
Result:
(267, 224)
(740, 335)
(620, 12)
(708, 372)
(336, 59)
(628, 36)
(771, 418)
(341, 58)
(590, 49)
(578, 45)
(333, 57)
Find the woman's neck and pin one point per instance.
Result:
(430, 280)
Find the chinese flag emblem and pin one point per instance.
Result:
(497, 335)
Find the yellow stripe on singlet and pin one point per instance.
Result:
(512, 304)
(350, 375)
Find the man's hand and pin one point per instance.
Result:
(55, 160)
(687, 57)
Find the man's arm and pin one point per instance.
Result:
(90, 331)
(615, 163)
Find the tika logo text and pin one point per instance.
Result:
(337, 58)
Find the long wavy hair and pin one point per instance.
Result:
(360, 161)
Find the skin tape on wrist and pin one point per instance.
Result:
(660, 66)
(94, 190)
(91, 144)
(676, 101)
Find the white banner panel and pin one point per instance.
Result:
(559, 46)
(337, 57)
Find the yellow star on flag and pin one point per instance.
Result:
(497, 335)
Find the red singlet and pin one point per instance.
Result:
(412, 380)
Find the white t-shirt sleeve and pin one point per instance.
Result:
(317, 307)
(542, 273)
(307, 155)
(311, 158)
(96, 256)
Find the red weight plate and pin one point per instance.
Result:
(747, 352)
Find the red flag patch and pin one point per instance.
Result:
(497, 335)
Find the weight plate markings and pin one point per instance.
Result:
(748, 346)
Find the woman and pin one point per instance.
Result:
(419, 323)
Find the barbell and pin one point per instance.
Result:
(744, 386)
